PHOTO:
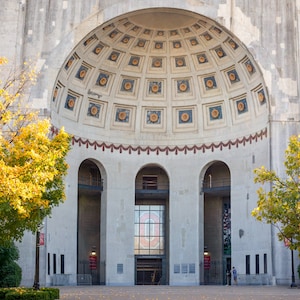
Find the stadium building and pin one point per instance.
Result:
(172, 105)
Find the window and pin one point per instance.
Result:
(119, 268)
(177, 268)
(150, 182)
(247, 264)
(48, 267)
(62, 264)
(184, 268)
(149, 230)
(54, 263)
(265, 264)
(257, 263)
(192, 268)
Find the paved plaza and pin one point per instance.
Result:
(179, 293)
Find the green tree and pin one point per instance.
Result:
(10, 271)
(280, 204)
(32, 160)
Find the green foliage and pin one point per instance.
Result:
(29, 294)
(11, 275)
(10, 271)
(53, 292)
(279, 203)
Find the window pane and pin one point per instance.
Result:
(149, 229)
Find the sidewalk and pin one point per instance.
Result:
(179, 293)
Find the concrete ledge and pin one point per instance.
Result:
(60, 279)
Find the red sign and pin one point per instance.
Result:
(42, 239)
(206, 262)
(287, 242)
(93, 262)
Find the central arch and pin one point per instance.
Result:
(151, 226)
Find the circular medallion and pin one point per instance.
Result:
(154, 88)
(82, 73)
(94, 110)
(153, 117)
(201, 59)
(232, 44)
(141, 43)
(179, 62)
(207, 37)
(193, 42)
(103, 81)
(135, 62)
(157, 46)
(209, 83)
(97, 50)
(88, 41)
(160, 33)
(177, 45)
(261, 96)
(183, 87)
(125, 40)
(241, 106)
(71, 103)
(185, 117)
(70, 61)
(114, 57)
(122, 115)
(249, 68)
(220, 53)
(113, 34)
(127, 86)
(157, 63)
(215, 113)
(232, 76)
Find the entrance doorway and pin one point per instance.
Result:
(217, 223)
(151, 228)
(148, 271)
(88, 224)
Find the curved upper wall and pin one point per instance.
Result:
(158, 77)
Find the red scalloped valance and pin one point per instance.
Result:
(167, 149)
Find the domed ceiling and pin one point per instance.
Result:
(160, 77)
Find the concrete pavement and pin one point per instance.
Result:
(179, 293)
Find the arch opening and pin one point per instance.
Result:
(217, 224)
(151, 227)
(89, 269)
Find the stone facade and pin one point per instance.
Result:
(188, 93)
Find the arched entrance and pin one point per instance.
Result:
(169, 83)
(88, 224)
(150, 238)
(217, 223)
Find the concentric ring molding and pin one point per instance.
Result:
(166, 60)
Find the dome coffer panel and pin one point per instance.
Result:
(179, 78)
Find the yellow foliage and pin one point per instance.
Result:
(32, 163)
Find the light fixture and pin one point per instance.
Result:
(205, 250)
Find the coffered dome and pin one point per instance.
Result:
(160, 77)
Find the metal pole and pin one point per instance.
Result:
(36, 284)
(293, 284)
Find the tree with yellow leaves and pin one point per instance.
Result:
(280, 205)
(32, 161)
